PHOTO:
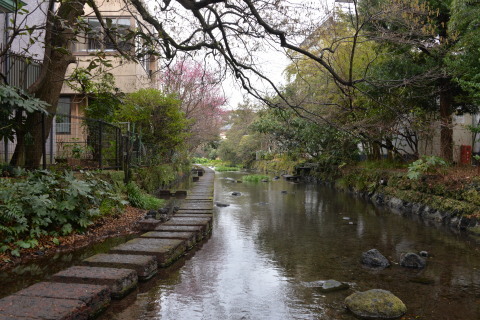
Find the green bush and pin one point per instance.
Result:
(224, 168)
(157, 177)
(255, 178)
(141, 199)
(49, 203)
(427, 164)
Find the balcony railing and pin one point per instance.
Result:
(19, 71)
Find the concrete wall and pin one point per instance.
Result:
(461, 136)
(35, 17)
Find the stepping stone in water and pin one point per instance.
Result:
(148, 224)
(120, 281)
(189, 221)
(189, 237)
(194, 215)
(145, 266)
(197, 230)
(95, 297)
(165, 250)
(16, 307)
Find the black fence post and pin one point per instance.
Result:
(51, 143)
(117, 148)
(126, 166)
(44, 141)
(100, 147)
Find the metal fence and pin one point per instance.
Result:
(83, 143)
(19, 71)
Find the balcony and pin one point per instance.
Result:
(19, 71)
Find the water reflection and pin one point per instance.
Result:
(268, 244)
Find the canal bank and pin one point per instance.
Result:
(447, 197)
(85, 290)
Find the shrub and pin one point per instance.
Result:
(49, 203)
(223, 168)
(431, 164)
(255, 178)
(141, 199)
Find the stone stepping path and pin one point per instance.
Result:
(145, 266)
(17, 307)
(119, 281)
(82, 292)
(196, 230)
(189, 237)
(165, 250)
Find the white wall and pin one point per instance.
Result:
(35, 17)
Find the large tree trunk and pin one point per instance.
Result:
(446, 130)
(58, 37)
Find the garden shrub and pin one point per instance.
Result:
(142, 200)
(51, 203)
(255, 177)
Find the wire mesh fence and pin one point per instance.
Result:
(81, 143)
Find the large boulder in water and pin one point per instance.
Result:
(412, 260)
(375, 304)
(374, 259)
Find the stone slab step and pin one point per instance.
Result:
(145, 266)
(119, 281)
(95, 297)
(197, 230)
(198, 198)
(189, 237)
(197, 205)
(195, 212)
(206, 223)
(165, 250)
(193, 215)
(16, 307)
(148, 224)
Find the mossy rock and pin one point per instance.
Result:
(375, 304)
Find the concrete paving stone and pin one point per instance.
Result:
(193, 215)
(145, 266)
(196, 212)
(190, 237)
(196, 207)
(96, 297)
(206, 223)
(148, 224)
(120, 281)
(165, 250)
(27, 307)
(197, 230)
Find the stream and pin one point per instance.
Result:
(277, 239)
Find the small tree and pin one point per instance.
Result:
(157, 118)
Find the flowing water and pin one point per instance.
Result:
(268, 248)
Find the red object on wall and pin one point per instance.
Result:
(465, 154)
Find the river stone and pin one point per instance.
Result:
(424, 254)
(333, 285)
(220, 204)
(374, 259)
(412, 260)
(375, 304)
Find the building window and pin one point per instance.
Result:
(96, 39)
(63, 118)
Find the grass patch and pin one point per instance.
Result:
(224, 168)
(255, 178)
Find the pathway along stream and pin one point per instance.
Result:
(268, 247)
